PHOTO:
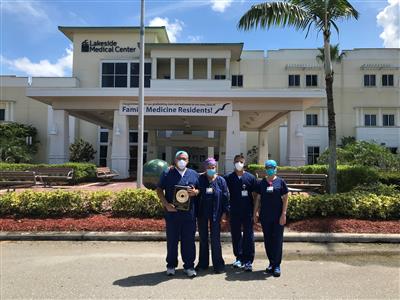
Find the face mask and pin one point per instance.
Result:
(270, 172)
(239, 166)
(211, 172)
(181, 164)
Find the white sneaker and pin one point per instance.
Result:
(190, 272)
(170, 271)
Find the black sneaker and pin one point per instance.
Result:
(277, 272)
(269, 269)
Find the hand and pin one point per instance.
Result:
(170, 207)
(225, 217)
(255, 218)
(192, 192)
(282, 219)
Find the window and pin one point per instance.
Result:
(114, 75)
(135, 74)
(133, 137)
(369, 120)
(311, 80)
(237, 80)
(2, 114)
(387, 80)
(312, 120)
(103, 136)
(219, 77)
(294, 80)
(388, 120)
(369, 80)
(103, 156)
(312, 154)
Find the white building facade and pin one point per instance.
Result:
(209, 99)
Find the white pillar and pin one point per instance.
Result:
(152, 145)
(227, 68)
(210, 150)
(7, 113)
(58, 137)
(295, 139)
(190, 68)
(362, 117)
(120, 145)
(232, 140)
(398, 120)
(154, 68)
(209, 68)
(321, 117)
(109, 147)
(379, 121)
(262, 146)
(172, 75)
(72, 129)
(357, 117)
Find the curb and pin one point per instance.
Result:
(147, 236)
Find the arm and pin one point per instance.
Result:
(285, 198)
(256, 200)
(168, 206)
(225, 198)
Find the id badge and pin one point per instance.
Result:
(245, 193)
(209, 190)
(270, 189)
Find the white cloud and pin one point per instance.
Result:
(44, 67)
(174, 29)
(220, 5)
(389, 19)
(195, 38)
(26, 10)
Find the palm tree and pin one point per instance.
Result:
(302, 14)
(336, 56)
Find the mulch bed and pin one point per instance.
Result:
(106, 222)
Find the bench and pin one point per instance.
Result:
(106, 173)
(306, 182)
(14, 179)
(56, 174)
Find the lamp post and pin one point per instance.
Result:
(139, 176)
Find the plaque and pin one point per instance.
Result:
(181, 198)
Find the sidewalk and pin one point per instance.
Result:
(308, 237)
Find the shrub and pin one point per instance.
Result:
(81, 151)
(13, 142)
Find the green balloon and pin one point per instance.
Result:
(152, 171)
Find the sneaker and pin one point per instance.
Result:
(200, 268)
(190, 272)
(269, 269)
(237, 264)
(248, 267)
(277, 272)
(170, 271)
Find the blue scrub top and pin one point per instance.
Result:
(172, 177)
(212, 204)
(271, 202)
(240, 204)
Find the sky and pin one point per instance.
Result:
(31, 45)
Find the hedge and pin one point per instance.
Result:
(348, 177)
(82, 171)
(379, 202)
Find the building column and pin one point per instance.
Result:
(227, 67)
(109, 147)
(295, 139)
(262, 146)
(58, 131)
(152, 145)
(232, 140)
(357, 117)
(379, 120)
(210, 150)
(72, 129)
(362, 117)
(209, 68)
(222, 147)
(190, 68)
(172, 68)
(120, 145)
(154, 68)
(398, 119)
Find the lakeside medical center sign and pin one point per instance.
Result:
(223, 109)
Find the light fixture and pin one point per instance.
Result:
(117, 130)
(53, 130)
(299, 131)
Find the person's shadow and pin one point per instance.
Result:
(148, 279)
(240, 275)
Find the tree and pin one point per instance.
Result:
(302, 15)
(336, 56)
(81, 151)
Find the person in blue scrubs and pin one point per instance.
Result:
(212, 206)
(180, 225)
(241, 185)
(273, 202)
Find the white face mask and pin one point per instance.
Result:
(181, 164)
(239, 166)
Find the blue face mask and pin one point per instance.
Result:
(270, 172)
(211, 172)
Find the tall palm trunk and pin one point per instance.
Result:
(332, 171)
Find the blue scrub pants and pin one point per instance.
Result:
(242, 241)
(216, 250)
(181, 226)
(273, 241)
